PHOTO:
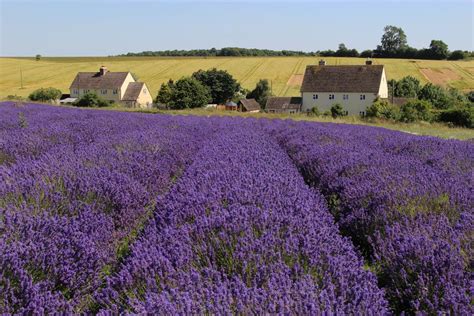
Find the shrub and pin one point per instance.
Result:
(14, 97)
(91, 99)
(460, 117)
(337, 110)
(470, 96)
(415, 110)
(315, 111)
(45, 94)
(382, 109)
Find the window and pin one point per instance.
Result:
(115, 91)
(75, 91)
(331, 97)
(345, 97)
(292, 112)
(362, 96)
(362, 113)
(86, 90)
(144, 91)
(103, 91)
(315, 96)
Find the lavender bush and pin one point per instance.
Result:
(106, 212)
(242, 233)
(405, 201)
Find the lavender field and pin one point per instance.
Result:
(106, 212)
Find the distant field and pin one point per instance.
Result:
(284, 72)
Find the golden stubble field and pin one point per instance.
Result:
(285, 73)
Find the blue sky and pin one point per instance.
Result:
(108, 27)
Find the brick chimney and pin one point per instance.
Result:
(102, 70)
(322, 62)
(368, 62)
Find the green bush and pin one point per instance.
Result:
(337, 110)
(382, 109)
(91, 99)
(45, 94)
(415, 110)
(315, 111)
(460, 117)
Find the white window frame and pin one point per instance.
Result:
(362, 96)
(345, 97)
(144, 91)
(332, 97)
(103, 91)
(315, 96)
(115, 91)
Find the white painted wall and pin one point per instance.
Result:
(383, 91)
(354, 105)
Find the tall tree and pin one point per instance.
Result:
(438, 49)
(393, 40)
(189, 93)
(166, 93)
(220, 83)
(407, 87)
(261, 92)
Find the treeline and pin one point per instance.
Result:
(393, 45)
(226, 51)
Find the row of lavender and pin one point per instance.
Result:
(407, 202)
(75, 188)
(241, 233)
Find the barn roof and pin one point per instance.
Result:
(347, 78)
(283, 103)
(133, 91)
(250, 104)
(94, 80)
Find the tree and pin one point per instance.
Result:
(261, 92)
(457, 55)
(189, 93)
(165, 93)
(38, 57)
(45, 94)
(415, 110)
(438, 49)
(337, 110)
(435, 95)
(220, 83)
(407, 87)
(393, 40)
(91, 99)
(366, 53)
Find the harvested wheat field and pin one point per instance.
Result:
(20, 76)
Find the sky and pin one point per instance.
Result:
(111, 27)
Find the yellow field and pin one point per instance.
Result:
(281, 71)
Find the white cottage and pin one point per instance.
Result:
(355, 87)
(118, 87)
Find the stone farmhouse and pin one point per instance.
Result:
(119, 87)
(355, 87)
